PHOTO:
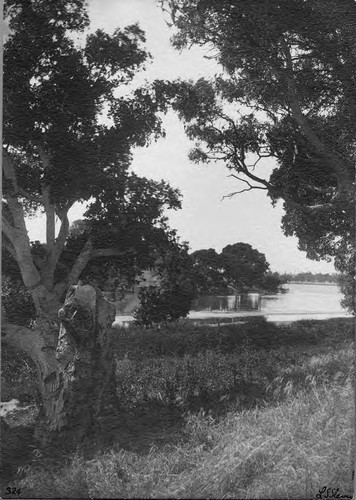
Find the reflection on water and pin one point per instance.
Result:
(301, 302)
(248, 302)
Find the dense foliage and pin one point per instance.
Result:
(287, 96)
(171, 298)
(182, 277)
(238, 266)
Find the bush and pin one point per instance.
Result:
(161, 305)
(240, 365)
(182, 338)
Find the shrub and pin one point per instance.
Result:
(162, 305)
(182, 338)
(210, 379)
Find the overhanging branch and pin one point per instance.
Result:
(249, 188)
(230, 195)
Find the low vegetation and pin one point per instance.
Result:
(239, 411)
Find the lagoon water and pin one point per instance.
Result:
(302, 301)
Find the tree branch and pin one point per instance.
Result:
(308, 209)
(81, 262)
(43, 155)
(46, 198)
(242, 167)
(9, 230)
(87, 253)
(78, 267)
(250, 187)
(61, 238)
(13, 204)
(17, 233)
(9, 247)
(9, 170)
(31, 342)
(230, 195)
(50, 219)
(333, 160)
(25, 194)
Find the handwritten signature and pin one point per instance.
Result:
(330, 493)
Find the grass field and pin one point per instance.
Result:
(240, 411)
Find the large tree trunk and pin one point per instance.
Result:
(85, 360)
(75, 368)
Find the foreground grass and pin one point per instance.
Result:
(295, 436)
(290, 450)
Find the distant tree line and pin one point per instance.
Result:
(310, 277)
(182, 277)
(239, 267)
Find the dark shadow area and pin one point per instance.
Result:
(17, 445)
(138, 431)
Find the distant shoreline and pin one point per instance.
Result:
(326, 283)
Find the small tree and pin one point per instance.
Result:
(171, 298)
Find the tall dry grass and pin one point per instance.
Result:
(288, 451)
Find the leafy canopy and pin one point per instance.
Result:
(238, 266)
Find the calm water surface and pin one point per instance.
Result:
(304, 302)
(300, 302)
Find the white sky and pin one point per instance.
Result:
(205, 221)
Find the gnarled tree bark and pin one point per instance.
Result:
(85, 361)
(75, 368)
